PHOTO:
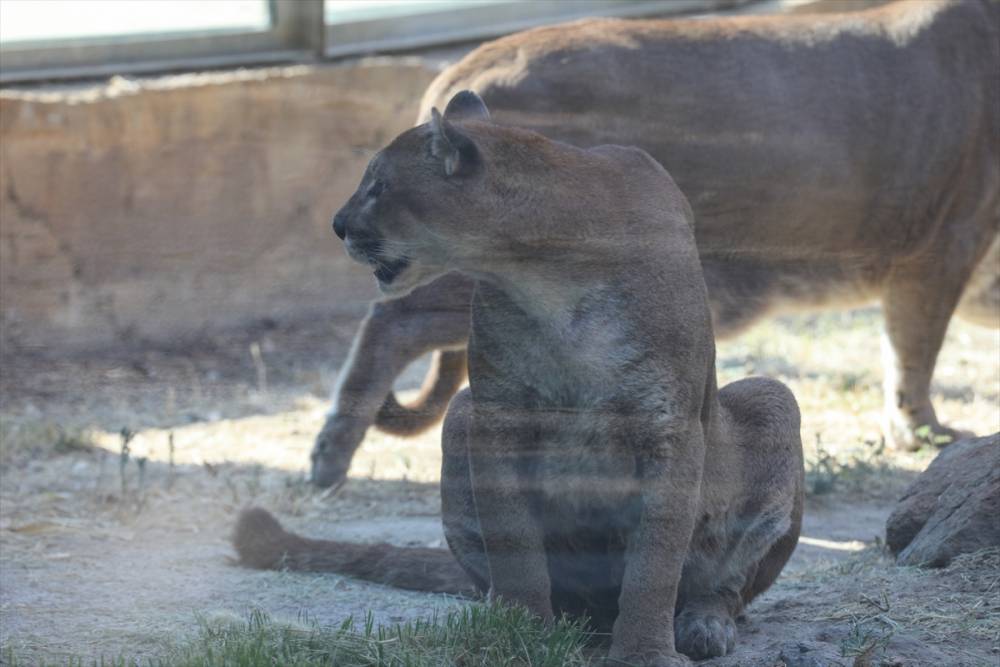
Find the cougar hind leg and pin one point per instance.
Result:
(748, 527)
(918, 301)
(393, 334)
(448, 371)
(980, 302)
(739, 293)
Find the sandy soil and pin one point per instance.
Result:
(101, 557)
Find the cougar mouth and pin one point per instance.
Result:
(386, 271)
(370, 251)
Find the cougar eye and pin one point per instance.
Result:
(375, 189)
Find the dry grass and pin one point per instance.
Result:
(831, 363)
(963, 598)
(76, 516)
(23, 439)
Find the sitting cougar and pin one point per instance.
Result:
(591, 467)
(830, 160)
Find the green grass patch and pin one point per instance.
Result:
(25, 439)
(862, 470)
(490, 635)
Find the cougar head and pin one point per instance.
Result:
(415, 213)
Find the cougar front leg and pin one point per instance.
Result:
(670, 480)
(392, 335)
(366, 377)
(918, 303)
(512, 535)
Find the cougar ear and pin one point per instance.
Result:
(456, 151)
(466, 105)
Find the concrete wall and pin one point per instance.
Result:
(161, 209)
(158, 210)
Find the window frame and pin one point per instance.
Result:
(291, 37)
(298, 33)
(443, 27)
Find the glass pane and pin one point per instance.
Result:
(349, 11)
(32, 20)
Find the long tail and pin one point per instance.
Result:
(263, 544)
(446, 375)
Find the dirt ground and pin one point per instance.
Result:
(108, 555)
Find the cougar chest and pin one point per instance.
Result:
(566, 355)
(569, 371)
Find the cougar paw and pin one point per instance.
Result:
(702, 635)
(332, 452)
(911, 438)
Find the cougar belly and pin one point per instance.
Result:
(582, 463)
(588, 501)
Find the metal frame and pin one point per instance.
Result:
(295, 34)
(298, 33)
(481, 22)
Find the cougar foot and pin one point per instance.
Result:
(333, 451)
(702, 635)
(912, 434)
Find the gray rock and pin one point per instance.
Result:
(952, 508)
(802, 655)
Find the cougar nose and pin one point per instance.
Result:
(340, 225)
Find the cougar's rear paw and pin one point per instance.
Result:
(911, 438)
(952, 435)
(703, 635)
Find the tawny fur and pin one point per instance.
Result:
(830, 160)
(443, 380)
(592, 468)
(262, 543)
